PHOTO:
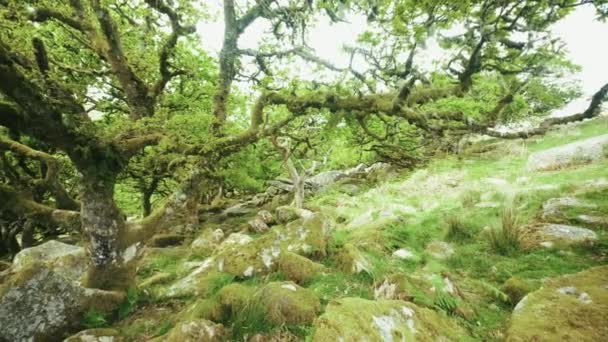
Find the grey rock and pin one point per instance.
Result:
(601, 221)
(38, 304)
(553, 206)
(326, 178)
(583, 151)
(566, 234)
(265, 216)
(67, 260)
(257, 225)
(197, 330)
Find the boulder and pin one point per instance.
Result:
(235, 296)
(287, 303)
(306, 236)
(326, 178)
(357, 319)
(287, 214)
(64, 259)
(96, 335)
(549, 234)
(351, 260)
(248, 257)
(578, 152)
(207, 242)
(257, 225)
(237, 210)
(573, 307)
(266, 216)
(553, 206)
(197, 330)
(236, 239)
(40, 304)
(596, 221)
(298, 268)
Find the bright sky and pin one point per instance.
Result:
(579, 31)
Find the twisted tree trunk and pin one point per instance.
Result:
(105, 227)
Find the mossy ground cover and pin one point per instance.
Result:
(456, 199)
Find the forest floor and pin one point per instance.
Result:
(455, 246)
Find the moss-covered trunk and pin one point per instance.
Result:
(105, 228)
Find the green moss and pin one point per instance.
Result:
(95, 319)
(206, 308)
(337, 285)
(234, 296)
(517, 289)
(354, 319)
(298, 268)
(576, 303)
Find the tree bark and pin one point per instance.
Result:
(105, 228)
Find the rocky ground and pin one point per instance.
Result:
(505, 241)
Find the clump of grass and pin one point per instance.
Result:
(470, 198)
(456, 229)
(507, 238)
(94, 319)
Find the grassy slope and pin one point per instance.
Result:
(423, 203)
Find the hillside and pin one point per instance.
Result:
(474, 246)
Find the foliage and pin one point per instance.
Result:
(129, 304)
(94, 319)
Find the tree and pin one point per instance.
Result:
(133, 62)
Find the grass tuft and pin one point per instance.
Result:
(456, 229)
(507, 238)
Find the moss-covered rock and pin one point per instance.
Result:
(517, 288)
(434, 291)
(306, 236)
(201, 282)
(253, 257)
(206, 243)
(197, 330)
(68, 260)
(550, 235)
(206, 308)
(41, 305)
(257, 225)
(287, 303)
(233, 297)
(357, 319)
(96, 335)
(298, 268)
(573, 307)
(285, 214)
(351, 260)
